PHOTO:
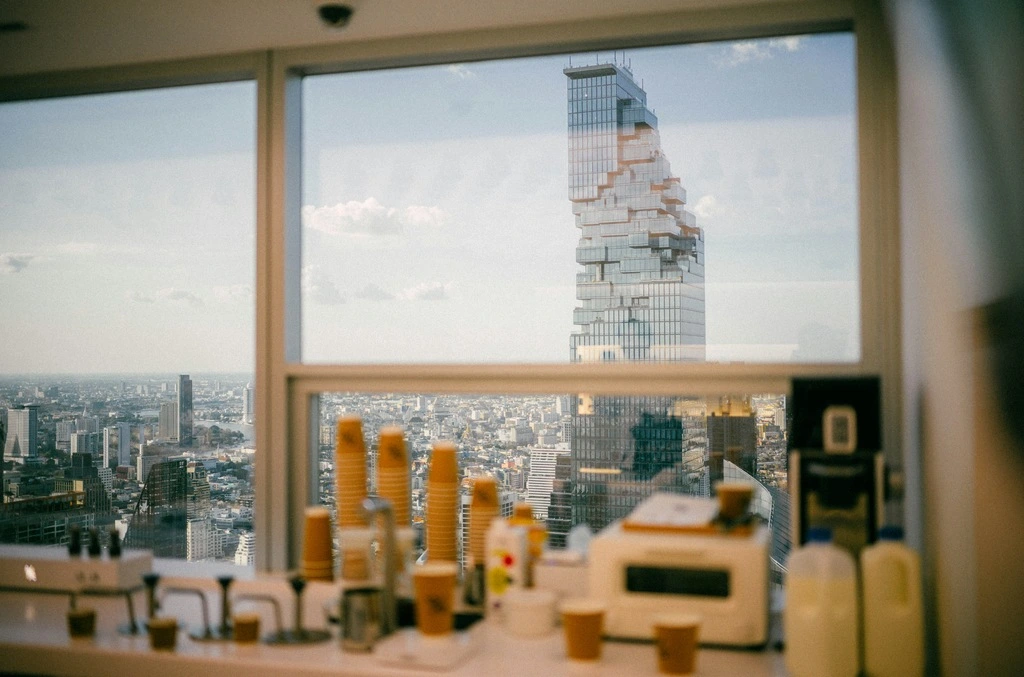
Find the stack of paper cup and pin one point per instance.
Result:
(350, 471)
(443, 504)
(393, 472)
(317, 552)
(483, 508)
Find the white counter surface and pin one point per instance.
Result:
(34, 640)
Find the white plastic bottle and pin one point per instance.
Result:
(893, 623)
(821, 612)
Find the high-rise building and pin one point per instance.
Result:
(245, 555)
(65, 429)
(204, 540)
(541, 479)
(84, 477)
(560, 505)
(732, 436)
(184, 410)
(108, 438)
(160, 519)
(124, 443)
(248, 404)
(168, 422)
(22, 441)
(86, 443)
(640, 291)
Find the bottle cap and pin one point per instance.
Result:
(819, 535)
(890, 532)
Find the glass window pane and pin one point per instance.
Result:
(467, 233)
(127, 252)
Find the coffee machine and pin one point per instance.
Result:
(836, 465)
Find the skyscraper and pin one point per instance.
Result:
(184, 410)
(168, 424)
(124, 443)
(248, 404)
(732, 436)
(640, 291)
(22, 441)
(541, 480)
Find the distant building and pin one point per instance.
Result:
(168, 425)
(124, 443)
(83, 477)
(86, 443)
(22, 442)
(65, 429)
(184, 410)
(732, 436)
(205, 542)
(245, 554)
(248, 404)
(44, 520)
(559, 519)
(541, 480)
(160, 519)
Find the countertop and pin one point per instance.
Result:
(34, 640)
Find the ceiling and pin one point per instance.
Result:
(61, 35)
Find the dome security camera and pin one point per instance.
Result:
(334, 14)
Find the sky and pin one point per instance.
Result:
(436, 221)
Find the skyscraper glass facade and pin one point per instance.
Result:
(640, 292)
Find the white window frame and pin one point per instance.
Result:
(287, 390)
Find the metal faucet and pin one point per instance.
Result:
(375, 505)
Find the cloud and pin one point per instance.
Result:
(179, 296)
(369, 218)
(80, 248)
(14, 263)
(372, 292)
(427, 291)
(706, 206)
(758, 50)
(461, 71)
(232, 293)
(790, 43)
(168, 295)
(319, 288)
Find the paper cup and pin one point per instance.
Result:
(733, 499)
(163, 633)
(246, 627)
(82, 622)
(317, 546)
(583, 623)
(434, 585)
(676, 636)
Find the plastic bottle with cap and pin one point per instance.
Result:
(821, 612)
(893, 621)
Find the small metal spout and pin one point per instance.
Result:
(375, 505)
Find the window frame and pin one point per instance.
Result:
(288, 390)
(294, 387)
